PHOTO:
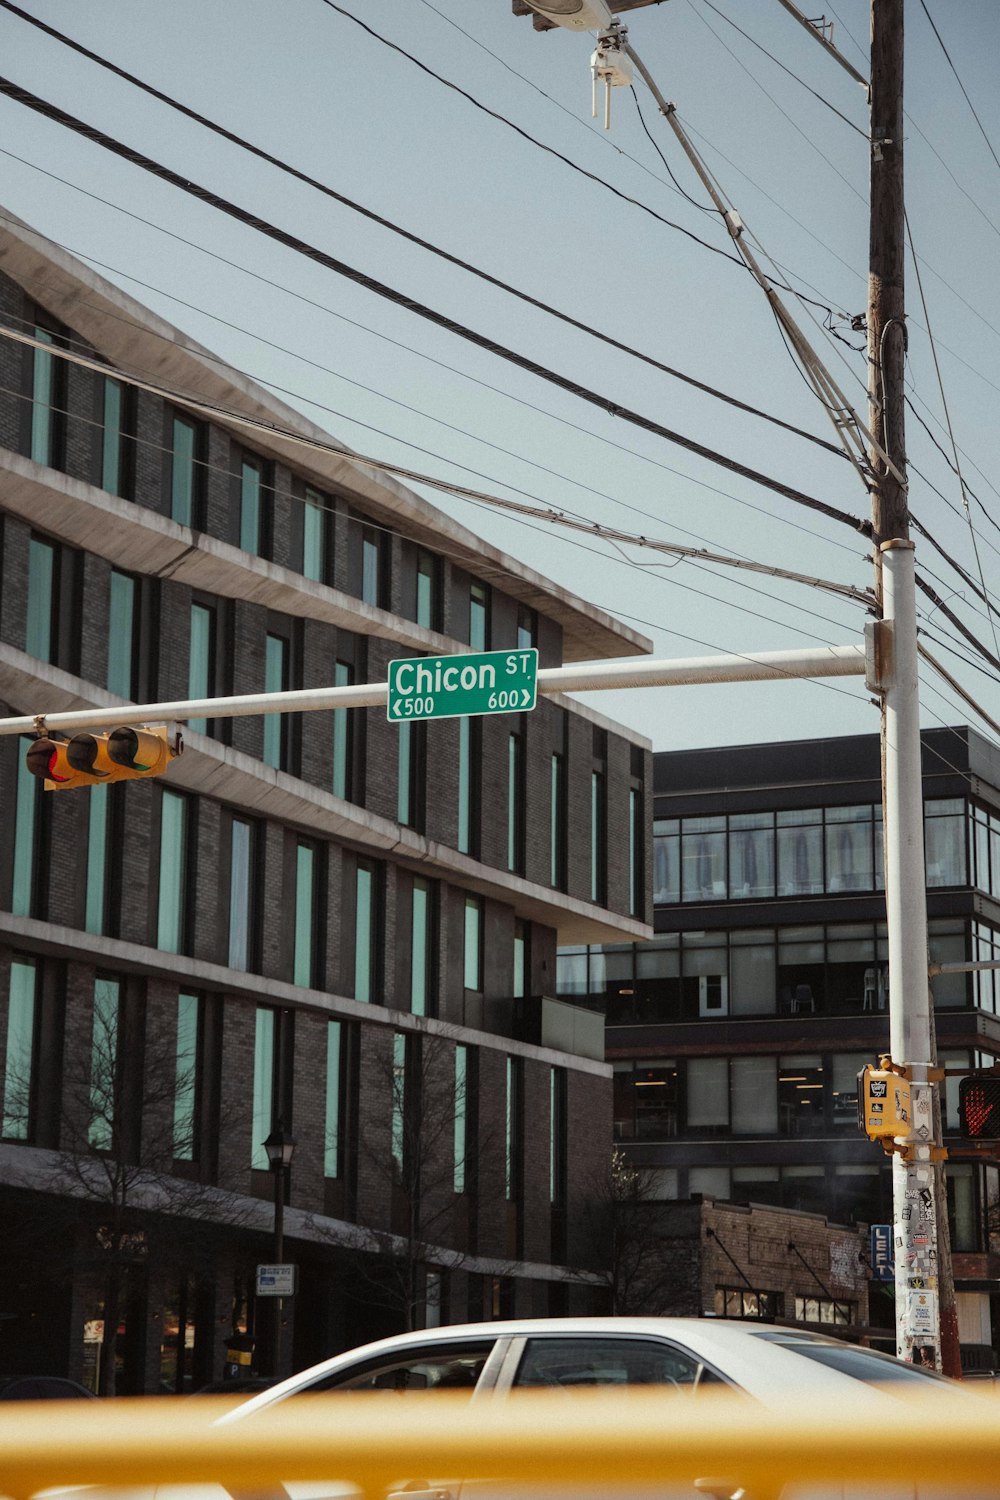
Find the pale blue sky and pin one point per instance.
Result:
(312, 87)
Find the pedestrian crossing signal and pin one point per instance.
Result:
(979, 1106)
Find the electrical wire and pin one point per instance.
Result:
(507, 394)
(415, 239)
(972, 107)
(441, 320)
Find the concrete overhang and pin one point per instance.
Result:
(136, 341)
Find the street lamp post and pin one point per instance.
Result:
(280, 1148)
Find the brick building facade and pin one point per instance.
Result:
(323, 920)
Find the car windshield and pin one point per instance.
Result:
(861, 1364)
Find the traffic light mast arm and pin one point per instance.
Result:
(763, 666)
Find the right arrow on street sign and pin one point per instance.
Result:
(447, 687)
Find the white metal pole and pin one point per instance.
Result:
(913, 1198)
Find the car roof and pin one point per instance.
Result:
(760, 1358)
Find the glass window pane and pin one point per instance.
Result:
(250, 507)
(200, 660)
(703, 859)
(97, 856)
(363, 933)
(313, 535)
(753, 978)
(263, 1087)
(111, 446)
(849, 849)
(707, 1091)
(42, 390)
(239, 894)
(182, 472)
(331, 1144)
(944, 832)
(520, 956)
(343, 675)
(461, 1117)
(420, 947)
(121, 625)
(666, 860)
(751, 861)
(473, 944)
(186, 1077)
(41, 576)
(399, 1100)
(754, 1095)
(173, 853)
(20, 1056)
(800, 858)
(28, 788)
(104, 1064)
(371, 557)
(275, 681)
(477, 617)
(302, 963)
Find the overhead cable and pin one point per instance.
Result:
(415, 239)
(401, 299)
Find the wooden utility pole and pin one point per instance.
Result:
(920, 1230)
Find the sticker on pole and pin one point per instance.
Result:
(448, 687)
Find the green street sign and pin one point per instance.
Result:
(446, 687)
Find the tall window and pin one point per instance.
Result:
(557, 822)
(305, 945)
(201, 656)
(364, 932)
(343, 738)
(515, 803)
(276, 726)
(372, 565)
(46, 418)
(636, 852)
(479, 617)
(514, 1104)
(461, 1118)
(558, 1135)
(597, 827)
(173, 872)
(98, 813)
(20, 1055)
(399, 1101)
(40, 634)
(421, 948)
(315, 536)
(242, 904)
(520, 959)
(332, 1128)
(26, 821)
(427, 590)
(473, 966)
(469, 765)
(252, 508)
(185, 471)
(121, 635)
(411, 767)
(115, 449)
(265, 1057)
(104, 1063)
(527, 628)
(186, 1077)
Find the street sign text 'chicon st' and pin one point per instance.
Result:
(445, 687)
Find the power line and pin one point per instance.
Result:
(401, 299)
(972, 107)
(415, 239)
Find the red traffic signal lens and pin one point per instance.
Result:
(979, 1107)
(46, 760)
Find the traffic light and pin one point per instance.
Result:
(883, 1103)
(979, 1106)
(109, 755)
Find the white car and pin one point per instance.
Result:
(490, 1359)
(681, 1355)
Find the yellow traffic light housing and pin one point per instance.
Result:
(109, 755)
(883, 1103)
